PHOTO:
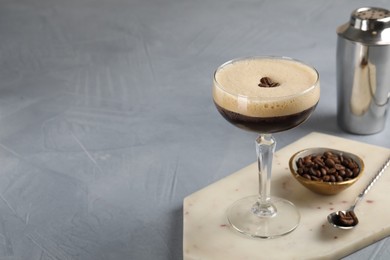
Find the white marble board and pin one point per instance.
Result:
(207, 235)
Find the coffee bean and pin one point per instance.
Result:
(339, 167)
(313, 172)
(330, 163)
(318, 161)
(332, 171)
(348, 173)
(300, 163)
(327, 154)
(351, 165)
(346, 219)
(314, 178)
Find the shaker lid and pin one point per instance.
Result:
(368, 25)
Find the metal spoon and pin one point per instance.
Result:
(346, 219)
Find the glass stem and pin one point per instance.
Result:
(265, 148)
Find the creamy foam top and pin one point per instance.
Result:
(239, 79)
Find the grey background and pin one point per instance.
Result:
(107, 121)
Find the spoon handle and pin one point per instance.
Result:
(373, 180)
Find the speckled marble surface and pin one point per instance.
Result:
(207, 233)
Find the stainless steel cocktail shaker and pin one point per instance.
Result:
(363, 71)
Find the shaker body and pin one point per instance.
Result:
(363, 86)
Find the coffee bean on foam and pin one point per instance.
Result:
(240, 78)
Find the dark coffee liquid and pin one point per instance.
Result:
(265, 125)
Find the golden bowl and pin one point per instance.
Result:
(320, 186)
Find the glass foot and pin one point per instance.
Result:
(242, 218)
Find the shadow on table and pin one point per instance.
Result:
(325, 123)
(175, 234)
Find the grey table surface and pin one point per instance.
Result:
(107, 121)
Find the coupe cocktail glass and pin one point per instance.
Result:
(265, 95)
